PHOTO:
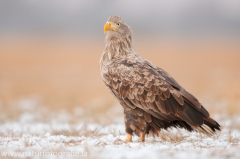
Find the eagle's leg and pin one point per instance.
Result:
(129, 138)
(135, 123)
(142, 137)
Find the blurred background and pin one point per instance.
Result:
(50, 52)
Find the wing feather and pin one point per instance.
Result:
(153, 92)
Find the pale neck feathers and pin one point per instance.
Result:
(118, 47)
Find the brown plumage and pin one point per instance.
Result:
(152, 100)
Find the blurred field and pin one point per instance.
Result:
(64, 74)
(52, 98)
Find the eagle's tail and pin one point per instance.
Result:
(210, 127)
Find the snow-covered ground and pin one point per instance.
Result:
(38, 133)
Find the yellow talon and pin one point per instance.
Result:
(142, 138)
(129, 138)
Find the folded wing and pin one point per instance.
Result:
(145, 86)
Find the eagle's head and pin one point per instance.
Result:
(117, 29)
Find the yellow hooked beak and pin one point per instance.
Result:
(109, 26)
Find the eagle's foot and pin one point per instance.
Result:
(129, 138)
(142, 138)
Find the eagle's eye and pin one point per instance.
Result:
(118, 24)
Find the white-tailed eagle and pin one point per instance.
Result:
(151, 99)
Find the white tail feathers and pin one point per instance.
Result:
(205, 129)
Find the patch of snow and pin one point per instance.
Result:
(40, 131)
